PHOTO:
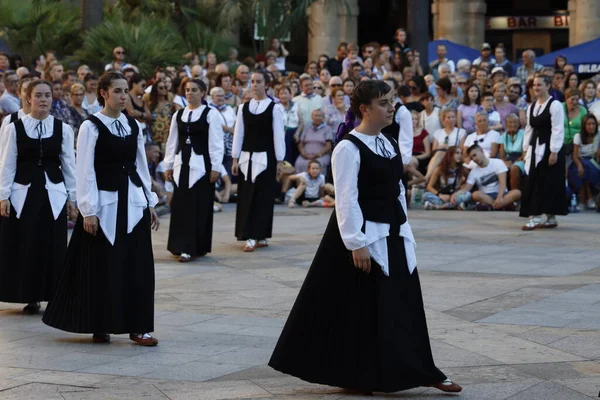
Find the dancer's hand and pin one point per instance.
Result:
(90, 225)
(154, 218)
(234, 167)
(71, 210)
(5, 208)
(214, 176)
(169, 175)
(362, 259)
(552, 159)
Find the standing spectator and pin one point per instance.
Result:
(210, 63)
(502, 106)
(90, 100)
(9, 101)
(227, 119)
(560, 62)
(447, 179)
(544, 160)
(574, 113)
(242, 73)
(351, 58)
(4, 62)
(570, 81)
(290, 123)
(379, 69)
(465, 116)
(441, 52)
(322, 62)
(588, 95)
(118, 63)
(334, 65)
(232, 61)
(397, 63)
(325, 77)
(225, 81)
(584, 172)
(136, 107)
(444, 100)
(528, 68)
(335, 113)
(82, 72)
(399, 44)
(486, 55)
(511, 150)
(161, 107)
(348, 85)
(78, 113)
(429, 118)
(307, 102)
(315, 143)
(37, 64)
(502, 61)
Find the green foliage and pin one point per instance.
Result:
(151, 42)
(32, 27)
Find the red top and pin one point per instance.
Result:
(418, 146)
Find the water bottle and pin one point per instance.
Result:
(574, 208)
(417, 195)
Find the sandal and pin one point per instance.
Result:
(32, 308)
(532, 225)
(144, 339)
(262, 243)
(250, 246)
(550, 223)
(101, 338)
(185, 257)
(447, 386)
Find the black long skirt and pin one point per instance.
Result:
(32, 248)
(545, 191)
(106, 288)
(356, 330)
(191, 213)
(256, 201)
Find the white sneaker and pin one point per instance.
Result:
(591, 204)
(428, 206)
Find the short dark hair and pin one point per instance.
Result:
(518, 86)
(473, 147)
(90, 76)
(426, 96)
(357, 64)
(219, 79)
(311, 162)
(365, 92)
(445, 84)
(135, 78)
(403, 91)
(559, 72)
(487, 94)
(149, 145)
(342, 44)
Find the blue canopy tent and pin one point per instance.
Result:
(585, 57)
(455, 51)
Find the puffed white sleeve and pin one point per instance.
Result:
(557, 116)
(172, 143)
(216, 144)
(528, 130)
(8, 161)
(345, 166)
(238, 135)
(67, 161)
(279, 132)
(405, 140)
(85, 174)
(141, 164)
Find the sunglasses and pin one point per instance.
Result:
(412, 87)
(317, 88)
(119, 52)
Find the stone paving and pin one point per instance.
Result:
(511, 314)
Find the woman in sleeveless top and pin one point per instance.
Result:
(37, 191)
(545, 191)
(108, 282)
(136, 107)
(193, 160)
(258, 146)
(359, 322)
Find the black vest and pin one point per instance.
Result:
(542, 125)
(38, 154)
(379, 185)
(196, 131)
(14, 116)
(393, 129)
(258, 130)
(115, 155)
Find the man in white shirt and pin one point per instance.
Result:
(307, 102)
(9, 101)
(486, 138)
(490, 177)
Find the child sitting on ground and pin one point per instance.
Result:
(311, 190)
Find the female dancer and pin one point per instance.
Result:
(359, 322)
(193, 159)
(108, 282)
(37, 191)
(545, 191)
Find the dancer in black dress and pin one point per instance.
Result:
(108, 282)
(258, 146)
(358, 322)
(37, 190)
(545, 190)
(193, 159)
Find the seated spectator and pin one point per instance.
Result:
(484, 137)
(502, 106)
(444, 100)
(348, 85)
(421, 151)
(511, 150)
(319, 88)
(308, 101)
(315, 143)
(447, 179)
(450, 135)
(60, 108)
(336, 113)
(325, 77)
(90, 101)
(160, 104)
(574, 113)
(157, 186)
(584, 172)
(487, 106)
(498, 75)
(489, 175)
(312, 69)
(224, 188)
(465, 116)
(429, 117)
(569, 80)
(588, 94)
(310, 189)
(463, 65)
(515, 90)
(78, 113)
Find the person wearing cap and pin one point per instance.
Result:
(498, 75)
(441, 52)
(486, 55)
(502, 61)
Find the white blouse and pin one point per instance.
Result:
(406, 137)
(101, 203)
(58, 193)
(216, 145)
(346, 165)
(557, 137)
(259, 160)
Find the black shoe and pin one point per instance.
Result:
(32, 308)
(101, 338)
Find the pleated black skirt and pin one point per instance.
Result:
(32, 248)
(545, 190)
(356, 330)
(106, 288)
(191, 225)
(256, 202)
